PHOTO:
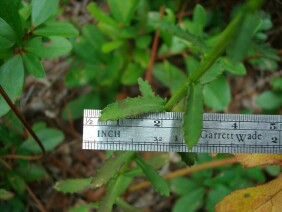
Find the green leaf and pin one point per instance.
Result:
(5, 195)
(131, 74)
(131, 107)
(7, 36)
(238, 68)
(217, 94)
(16, 182)
(169, 75)
(276, 83)
(143, 42)
(269, 100)
(33, 66)
(215, 195)
(32, 173)
(213, 72)
(181, 33)
(42, 10)
(25, 11)
(85, 51)
(94, 36)
(12, 80)
(112, 45)
(125, 206)
(49, 137)
(73, 185)
(55, 47)
(110, 168)
(9, 13)
(190, 202)
(193, 116)
(273, 170)
(156, 162)
(158, 183)
(188, 158)
(100, 15)
(199, 20)
(56, 28)
(265, 50)
(123, 11)
(114, 188)
(191, 64)
(145, 88)
(85, 207)
(74, 109)
(183, 185)
(241, 41)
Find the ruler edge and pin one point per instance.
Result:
(95, 113)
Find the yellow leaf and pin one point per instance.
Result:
(250, 160)
(267, 197)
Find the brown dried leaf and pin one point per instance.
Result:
(265, 197)
(250, 160)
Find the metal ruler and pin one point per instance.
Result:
(221, 133)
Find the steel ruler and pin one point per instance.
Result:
(221, 133)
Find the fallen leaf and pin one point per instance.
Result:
(250, 160)
(265, 197)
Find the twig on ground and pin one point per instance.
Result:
(23, 157)
(37, 201)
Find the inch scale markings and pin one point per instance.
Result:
(221, 133)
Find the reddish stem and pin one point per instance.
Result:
(149, 72)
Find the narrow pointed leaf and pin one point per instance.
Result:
(199, 20)
(115, 188)
(5, 195)
(110, 168)
(125, 206)
(156, 162)
(100, 15)
(73, 185)
(193, 116)
(159, 184)
(123, 11)
(241, 42)
(145, 88)
(181, 33)
(132, 107)
(188, 158)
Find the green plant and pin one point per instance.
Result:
(28, 34)
(210, 186)
(208, 59)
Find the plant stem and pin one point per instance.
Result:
(207, 62)
(220, 46)
(21, 118)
